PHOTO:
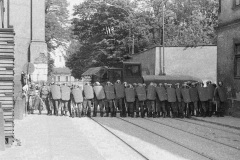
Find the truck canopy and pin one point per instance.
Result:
(172, 79)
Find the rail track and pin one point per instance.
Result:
(132, 148)
(202, 125)
(192, 134)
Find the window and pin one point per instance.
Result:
(66, 78)
(133, 70)
(54, 78)
(237, 61)
(58, 78)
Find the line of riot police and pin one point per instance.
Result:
(135, 100)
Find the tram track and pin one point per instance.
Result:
(219, 124)
(131, 147)
(157, 122)
(168, 139)
(202, 125)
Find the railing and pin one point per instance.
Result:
(4, 14)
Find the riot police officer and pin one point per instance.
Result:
(56, 96)
(78, 101)
(119, 100)
(65, 97)
(44, 94)
(99, 98)
(220, 97)
(88, 97)
(171, 94)
(151, 97)
(110, 96)
(142, 97)
(130, 99)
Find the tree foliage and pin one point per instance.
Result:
(109, 29)
(56, 27)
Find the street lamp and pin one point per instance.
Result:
(129, 28)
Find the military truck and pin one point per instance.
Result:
(125, 71)
(130, 72)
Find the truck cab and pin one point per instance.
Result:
(125, 71)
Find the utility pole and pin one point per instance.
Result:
(163, 38)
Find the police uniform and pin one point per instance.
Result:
(186, 99)
(130, 99)
(56, 96)
(203, 96)
(220, 96)
(31, 98)
(65, 97)
(88, 97)
(110, 97)
(210, 88)
(99, 98)
(119, 100)
(180, 103)
(151, 97)
(194, 100)
(171, 94)
(161, 100)
(77, 94)
(141, 97)
(44, 94)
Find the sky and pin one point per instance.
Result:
(71, 4)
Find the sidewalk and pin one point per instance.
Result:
(226, 121)
(49, 137)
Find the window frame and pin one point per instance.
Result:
(59, 79)
(236, 56)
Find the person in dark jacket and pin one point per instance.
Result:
(220, 96)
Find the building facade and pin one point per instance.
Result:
(199, 62)
(27, 18)
(228, 48)
(63, 75)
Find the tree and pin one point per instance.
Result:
(56, 27)
(112, 29)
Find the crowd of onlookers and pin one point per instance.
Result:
(133, 100)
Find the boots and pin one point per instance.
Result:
(153, 115)
(164, 114)
(158, 114)
(137, 114)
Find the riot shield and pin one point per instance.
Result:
(65, 93)
(194, 94)
(109, 91)
(56, 92)
(186, 95)
(77, 95)
(99, 92)
(141, 93)
(171, 94)
(178, 94)
(203, 93)
(162, 93)
(88, 92)
(119, 90)
(151, 92)
(130, 94)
